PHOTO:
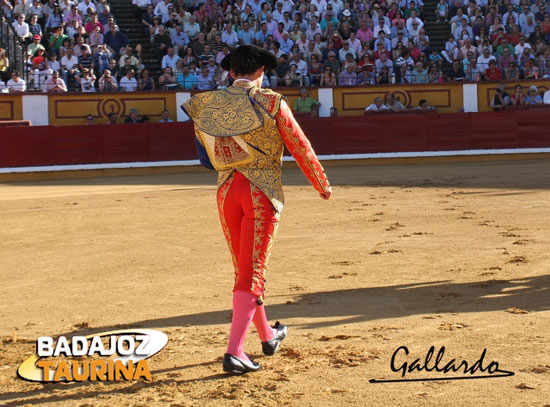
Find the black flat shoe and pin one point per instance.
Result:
(233, 364)
(270, 347)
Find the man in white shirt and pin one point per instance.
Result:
(69, 63)
(16, 84)
(128, 83)
(301, 67)
(54, 84)
(410, 20)
(518, 49)
(483, 60)
(21, 27)
(162, 10)
(278, 14)
(170, 59)
(84, 6)
(230, 37)
(288, 5)
(320, 4)
(377, 106)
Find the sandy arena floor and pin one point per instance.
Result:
(453, 255)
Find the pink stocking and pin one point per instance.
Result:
(260, 322)
(244, 306)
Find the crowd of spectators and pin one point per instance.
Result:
(317, 42)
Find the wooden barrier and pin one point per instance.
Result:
(381, 133)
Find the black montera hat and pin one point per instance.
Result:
(246, 59)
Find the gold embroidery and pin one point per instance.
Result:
(222, 194)
(227, 112)
(265, 170)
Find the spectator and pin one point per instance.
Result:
(115, 71)
(393, 104)
(230, 37)
(165, 117)
(192, 28)
(333, 112)
(128, 83)
(85, 61)
(55, 19)
(107, 82)
(77, 48)
(205, 81)
(293, 77)
(105, 17)
(170, 59)
(133, 118)
(145, 81)
(442, 11)
(147, 18)
(55, 65)
(102, 58)
(483, 60)
(493, 72)
(112, 118)
(87, 81)
(512, 72)
(92, 24)
(383, 61)
(424, 106)
(166, 80)
(69, 65)
(89, 120)
(532, 97)
(348, 77)
(41, 68)
(315, 70)
(328, 79)
(16, 84)
(546, 98)
(456, 73)
(365, 34)
(187, 80)
(435, 75)
(474, 73)
(501, 98)
(134, 61)
(419, 74)
(115, 40)
(377, 106)
(518, 99)
(246, 35)
(55, 84)
(179, 39)
(306, 106)
(71, 15)
(95, 39)
(34, 26)
(34, 46)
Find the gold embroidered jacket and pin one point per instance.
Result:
(252, 142)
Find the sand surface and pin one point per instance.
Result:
(453, 255)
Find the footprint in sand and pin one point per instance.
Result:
(508, 234)
(518, 260)
(394, 226)
(522, 242)
(343, 263)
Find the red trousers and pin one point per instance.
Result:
(249, 223)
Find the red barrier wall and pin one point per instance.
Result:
(50, 145)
